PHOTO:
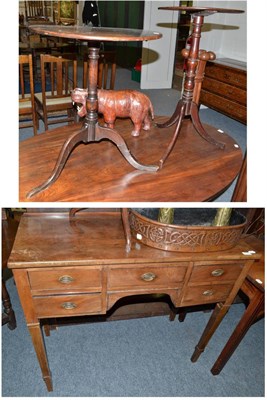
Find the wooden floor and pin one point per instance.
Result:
(195, 171)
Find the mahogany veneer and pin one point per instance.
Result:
(53, 256)
(195, 170)
(225, 88)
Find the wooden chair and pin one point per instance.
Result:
(9, 229)
(58, 78)
(26, 97)
(106, 70)
(35, 10)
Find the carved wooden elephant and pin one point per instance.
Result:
(119, 103)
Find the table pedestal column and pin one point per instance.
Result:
(186, 106)
(91, 131)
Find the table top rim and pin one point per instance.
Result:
(96, 33)
(198, 9)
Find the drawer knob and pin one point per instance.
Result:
(208, 293)
(217, 272)
(65, 279)
(148, 276)
(68, 305)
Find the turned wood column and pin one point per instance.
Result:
(91, 103)
(192, 62)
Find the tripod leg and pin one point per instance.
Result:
(67, 148)
(108, 133)
(174, 138)
(174, 118)
(200, 129)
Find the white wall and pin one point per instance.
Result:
(158, 55)
(225, 34)
(80, 12)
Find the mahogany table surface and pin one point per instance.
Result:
(96, 33)
(57, 240)
(96, 172)
(202, 9)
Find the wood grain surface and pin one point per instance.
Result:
(96, 172)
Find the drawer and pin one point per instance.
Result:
(64, 306)
(65, 279)
(148, 276)
(226, 91)
(215, 273)
(230, 108)
(205, 294)
(228, 75)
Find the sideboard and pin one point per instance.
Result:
(65, 267)
(224, 88)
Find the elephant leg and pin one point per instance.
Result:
(147, 123)
(137, 128)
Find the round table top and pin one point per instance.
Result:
(208, 10)
(96, 172)
(96, 33)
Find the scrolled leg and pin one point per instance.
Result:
(175, 135)
(199, 127)
(67, 148)
(116, 138)
(174, 118)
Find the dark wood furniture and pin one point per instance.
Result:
(194, 171)
(88, 270)
(186, 106)
(224, 88)
(253, 288)
(107, 65)
(35, 11)
(27, 114)
(9, 229)
(91, 130)
(58, 78)
(240, 191)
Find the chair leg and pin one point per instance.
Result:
(8, 315)
(45, 119)
(35, 123)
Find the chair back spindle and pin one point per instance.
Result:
(58, 78)
(27, 111)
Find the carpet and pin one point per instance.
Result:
(140, 357)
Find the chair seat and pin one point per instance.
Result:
(25, 103)
(53, 101)
(58, 78)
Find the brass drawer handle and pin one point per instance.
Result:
(208, 293)
(68, 305)
(217, 272)
(148, 276)
(65, 279)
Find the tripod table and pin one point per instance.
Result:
(91, 130)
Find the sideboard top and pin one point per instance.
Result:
(93, 239)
